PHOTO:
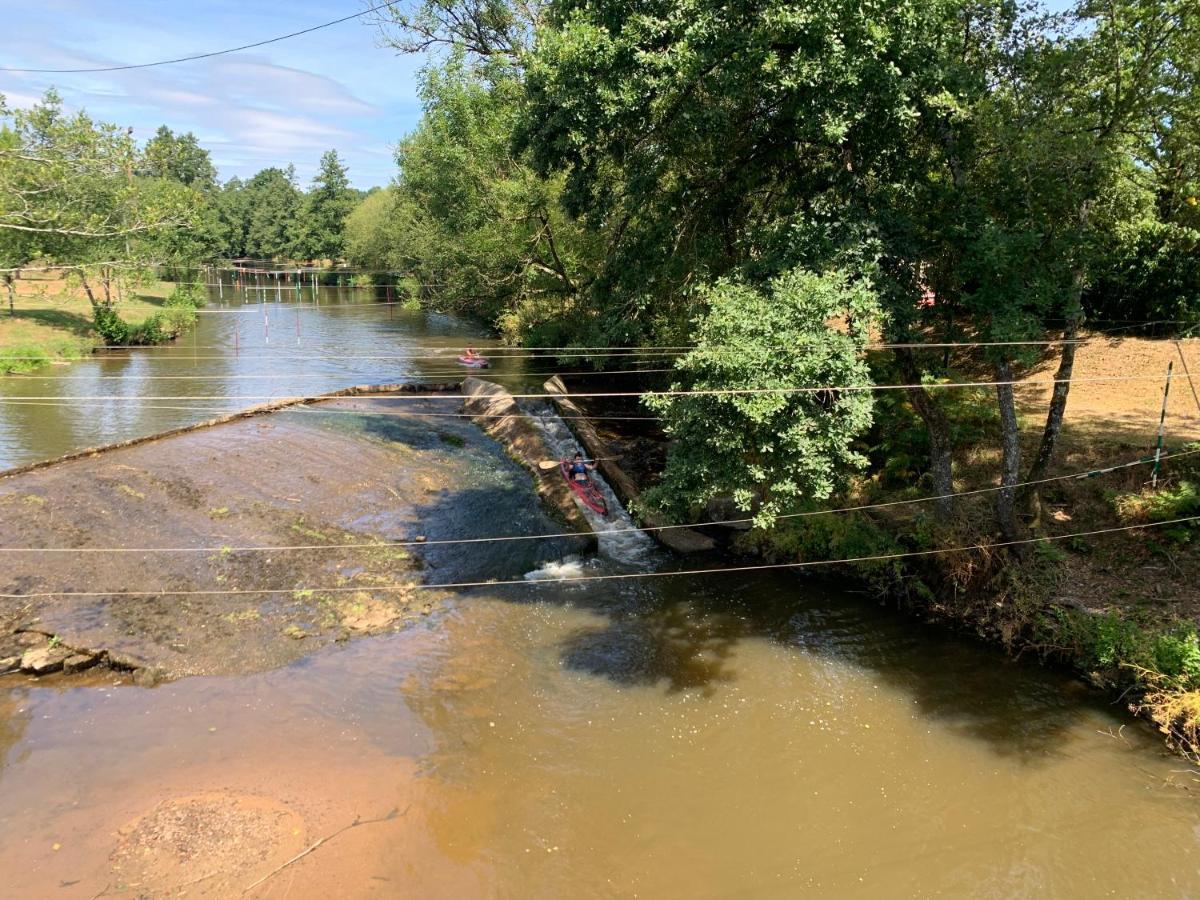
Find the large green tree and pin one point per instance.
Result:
(485, 234)
(321, 234)
(958, 147)
(272, 205)
(180, 158)
(70, 192)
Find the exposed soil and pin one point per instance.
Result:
(298, 478)
(1123, 412)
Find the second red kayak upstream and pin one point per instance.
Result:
(585, 490)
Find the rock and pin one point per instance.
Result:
(147, 677)
(31, 639)
(78, 662)
(9, 665)
(44, 660)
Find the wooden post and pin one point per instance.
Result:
(1161, 420)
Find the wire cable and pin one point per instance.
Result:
(210, 54)
(623, 576)
(1090, 473)
(702, 392)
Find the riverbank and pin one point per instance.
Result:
(51, 321)
(1121, 608)
(249, 544)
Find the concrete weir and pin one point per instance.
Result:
(681, 540)
(497, 414)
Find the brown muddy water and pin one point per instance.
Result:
(679, 736)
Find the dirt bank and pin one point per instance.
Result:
(366, 472)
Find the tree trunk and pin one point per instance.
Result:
(1058, 402)
(10, 283)
(87, 289)
(1010, 460)
(938, 427)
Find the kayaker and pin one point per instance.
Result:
(471, 354)
(579, 469)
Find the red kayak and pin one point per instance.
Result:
(585, 490)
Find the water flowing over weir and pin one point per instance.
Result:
(751, 734)
(620, 540)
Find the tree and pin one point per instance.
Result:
(483, 232)
(68, 190)
(945, 146)
(783, 432)
(373, 232)
(272, 205)
(180, 158)
(322, 233)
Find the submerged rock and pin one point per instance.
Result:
(78, 662)
(148, 677)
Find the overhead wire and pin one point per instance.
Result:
(620, 576)
(701, 392)
(1087, 473)
(207, 55)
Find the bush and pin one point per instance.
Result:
(185, 296)
(831, 537)
(1158, 505)
(22, 358)
(113, 330)
(898, 444)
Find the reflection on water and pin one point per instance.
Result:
(239, 354)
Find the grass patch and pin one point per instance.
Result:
(453, 440)
(53, 322)
(245, 615)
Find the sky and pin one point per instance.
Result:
(284, 103)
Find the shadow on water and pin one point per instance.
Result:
(682, 634)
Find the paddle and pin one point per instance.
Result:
(547, 464)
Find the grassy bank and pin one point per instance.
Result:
(51, 322)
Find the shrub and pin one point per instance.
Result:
(113, 330)
(185, 295)
(1158, 505)
(22, 358)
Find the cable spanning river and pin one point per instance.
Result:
(741, 735)
(239, 354)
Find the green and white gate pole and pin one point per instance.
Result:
(1162, 418)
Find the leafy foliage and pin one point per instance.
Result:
(777, 438)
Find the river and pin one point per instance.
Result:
(742, 735)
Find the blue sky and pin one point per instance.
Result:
(286, 102)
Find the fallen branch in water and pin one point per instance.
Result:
(394, 814)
